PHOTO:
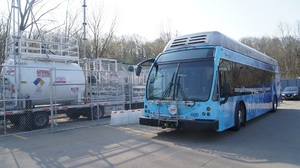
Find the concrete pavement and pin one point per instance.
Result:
(271, 140)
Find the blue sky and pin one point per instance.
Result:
(235, 18)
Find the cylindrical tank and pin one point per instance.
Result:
(33, 78)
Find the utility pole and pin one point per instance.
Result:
(84, 28)
(86, 69)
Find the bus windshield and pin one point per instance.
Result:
(185, 80)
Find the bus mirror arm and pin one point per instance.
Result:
(139, 66)
(224, 101)
(226, 92)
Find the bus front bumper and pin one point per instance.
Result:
(181, 124)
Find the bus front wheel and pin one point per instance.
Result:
(239, 117)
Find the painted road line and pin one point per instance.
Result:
(22, 137)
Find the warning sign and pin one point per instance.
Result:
(43, 73)
(38, 82)
(60, 80)
(74, 90)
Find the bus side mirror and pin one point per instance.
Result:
(139, 66)
(138, 70)
(226, 92)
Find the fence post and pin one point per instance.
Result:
(51, 99)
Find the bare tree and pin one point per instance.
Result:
(100, 40)
(73, 21)
(152, 49)
(30, 17)
(285, 48)
(108, 37)
(289, 51)
(3, 36)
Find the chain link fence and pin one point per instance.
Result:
(61, 96)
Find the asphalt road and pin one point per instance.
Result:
(272, 140)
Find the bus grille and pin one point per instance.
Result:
(189, 40)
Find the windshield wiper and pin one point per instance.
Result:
(184, 96)
(168, 89)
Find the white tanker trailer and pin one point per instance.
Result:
(31, 80)
(43, 77)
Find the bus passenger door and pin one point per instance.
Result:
(226, 108)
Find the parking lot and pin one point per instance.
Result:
(271, 140)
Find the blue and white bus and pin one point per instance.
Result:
(209, 81)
